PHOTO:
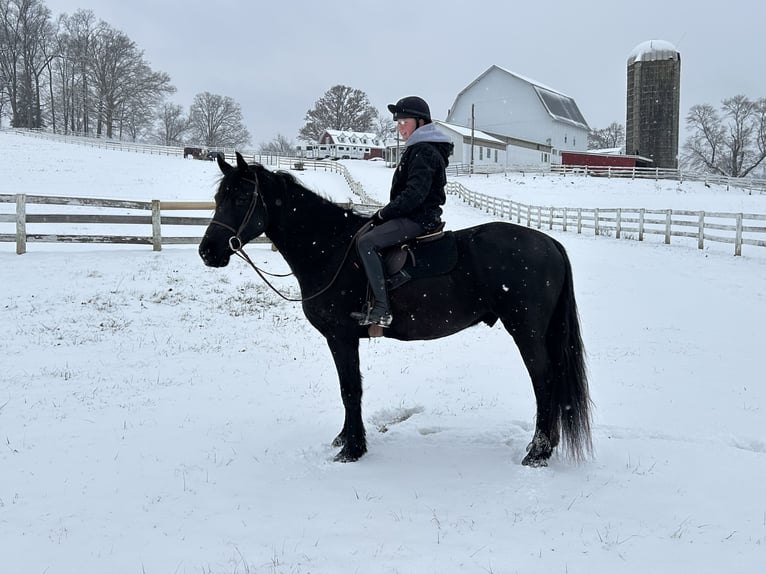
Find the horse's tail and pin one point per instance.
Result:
(571, 404)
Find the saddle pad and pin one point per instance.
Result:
(432, 257)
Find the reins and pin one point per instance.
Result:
(236, 245)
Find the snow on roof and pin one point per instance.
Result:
(652, 51)
(466, 132)
(530, 81)
(365, 138)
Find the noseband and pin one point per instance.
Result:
(235, 241)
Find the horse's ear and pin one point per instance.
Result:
(224, 167)
(241, 163)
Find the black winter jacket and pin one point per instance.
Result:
(417, 188)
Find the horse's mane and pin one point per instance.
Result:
(292, 188)
(292, 180)
(321, 205)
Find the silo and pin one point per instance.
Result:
(654, 89)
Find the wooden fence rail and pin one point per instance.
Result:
(77, 213)
(83, 215)
(735, 228)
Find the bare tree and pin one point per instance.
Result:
(384, 127)
(216, 121)
(731, 143)
(340, 108)
(126, 88)
(73, 93)
(172, 125)
(280, 145)
(25, 31)
(612, 136)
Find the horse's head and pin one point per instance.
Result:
(240, 213)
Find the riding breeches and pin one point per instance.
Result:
(370, 244)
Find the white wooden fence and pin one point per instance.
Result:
(735, 228)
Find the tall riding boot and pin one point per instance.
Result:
(380, 312)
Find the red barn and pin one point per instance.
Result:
(602, 159)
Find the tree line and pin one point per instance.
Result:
(729, 141)
(77, 74)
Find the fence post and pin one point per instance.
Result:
(668, 224)
(701, 231)
(579, 220)
(595, 222)
(550, 219)
(738, 238)
(565, 219)
(156, 226)
(641, 216)
(21, 224)
(618, 224)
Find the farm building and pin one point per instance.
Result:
(537, 121)
(489, 153)
(602, 159)
(337, 144)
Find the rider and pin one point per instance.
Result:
(414, 208)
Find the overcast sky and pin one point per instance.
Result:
(277, 59)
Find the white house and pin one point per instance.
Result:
(536, 121)
(337, 144)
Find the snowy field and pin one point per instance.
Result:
(160, 417)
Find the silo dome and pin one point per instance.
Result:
(653, 51)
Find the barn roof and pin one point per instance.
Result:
(560, 106)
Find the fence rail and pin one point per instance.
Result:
(655, 173)
(82, 215)
(734, 228)
(149, 217)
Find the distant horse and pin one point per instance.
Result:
(500, 271)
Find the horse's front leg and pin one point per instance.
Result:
(351, 440)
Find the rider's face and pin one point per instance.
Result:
(406, 126)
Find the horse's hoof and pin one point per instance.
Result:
(346, 455)
(534, 462)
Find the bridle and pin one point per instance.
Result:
(237, 246)
(235, 241)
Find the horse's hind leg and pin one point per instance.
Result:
(538, 363)
(351, 439)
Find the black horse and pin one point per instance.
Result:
(503, 271)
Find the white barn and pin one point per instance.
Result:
(535, 120)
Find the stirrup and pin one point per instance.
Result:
(373, 316)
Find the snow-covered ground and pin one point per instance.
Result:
(157, 416)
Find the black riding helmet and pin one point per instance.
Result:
(411, 107)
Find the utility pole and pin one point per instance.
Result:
(473, 121)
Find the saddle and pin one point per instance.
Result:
(425, 256)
